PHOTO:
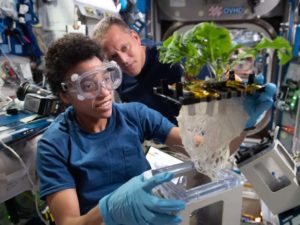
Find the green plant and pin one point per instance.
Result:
(212, 45)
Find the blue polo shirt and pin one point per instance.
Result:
(95, 164)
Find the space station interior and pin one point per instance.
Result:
(258, 183)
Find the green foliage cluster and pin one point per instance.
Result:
(212, 45)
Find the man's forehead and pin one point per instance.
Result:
(114, 35)
(118, 28)
(111, 48)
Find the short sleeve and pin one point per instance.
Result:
(51, 165)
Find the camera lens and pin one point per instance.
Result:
(26, 88)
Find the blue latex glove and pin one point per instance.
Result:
(134, 204)
(260, 79)
(255, 105)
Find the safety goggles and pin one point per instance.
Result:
(88, 85)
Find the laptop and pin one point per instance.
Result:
(23, 125)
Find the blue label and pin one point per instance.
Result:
(233, 10)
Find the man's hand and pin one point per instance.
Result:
(255, 105)
(134, 204)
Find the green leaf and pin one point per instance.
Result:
(209, 44)
(284, 49)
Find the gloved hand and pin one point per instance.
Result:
(255, 105)
(134, 204)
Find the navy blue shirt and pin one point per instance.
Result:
(95, 164)
(140, 88)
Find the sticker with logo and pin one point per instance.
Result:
(215, 11)
(233, 10)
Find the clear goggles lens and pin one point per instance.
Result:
(88, 85)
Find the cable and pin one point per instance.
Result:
(38, 210)
(21, 162)
(34, 191)
(9, 102)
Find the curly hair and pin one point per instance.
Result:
(65, 53)
(104, 24)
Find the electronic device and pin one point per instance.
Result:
(22, 125)
(39, 100)
(43, 105)
(274, 174)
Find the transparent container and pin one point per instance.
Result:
(205, 199)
